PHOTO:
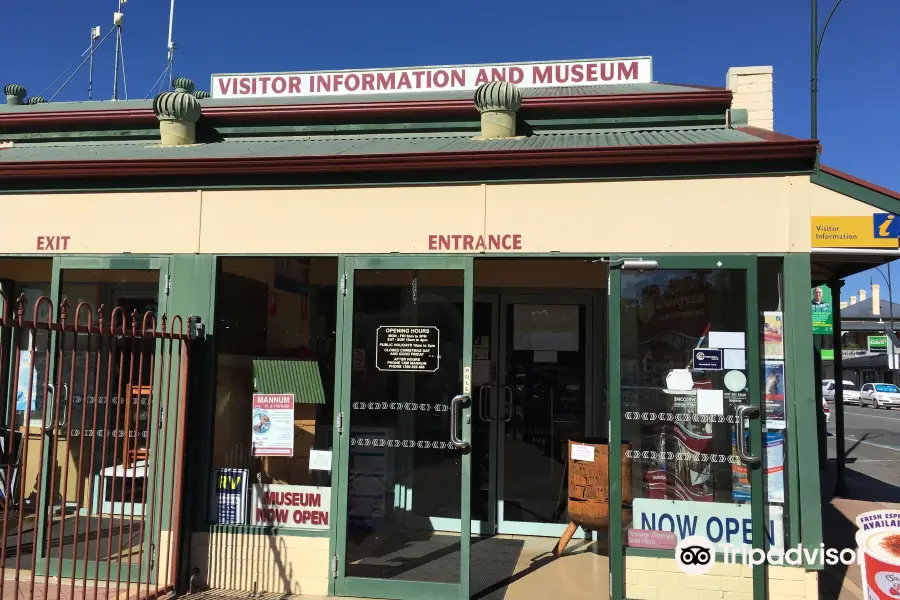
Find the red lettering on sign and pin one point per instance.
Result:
(271, 515)
(53, 242)
(628, 72)
(474, 243)
(292, 499)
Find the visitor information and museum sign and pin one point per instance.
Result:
(273, 425)
(432, 79)
(407, 348)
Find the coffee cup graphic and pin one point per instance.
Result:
(880, 563)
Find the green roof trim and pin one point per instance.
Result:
(284, 376)
(371, 145)
(863, 191)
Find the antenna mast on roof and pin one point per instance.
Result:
(118, 17)
(95, 34)
(171, 46)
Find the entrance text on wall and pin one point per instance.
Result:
(475, 243)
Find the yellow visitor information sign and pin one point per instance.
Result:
(850, 232)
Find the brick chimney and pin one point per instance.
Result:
(752, 89)
(862, 295)
(876, 299)
(852, 300)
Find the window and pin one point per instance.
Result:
(886, 388)
(274, 403)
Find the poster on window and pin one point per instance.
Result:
(28, 373)
(773, 335)
(774, 466)
(228, 502)
(292, 275)
(821, 310)
(546, 327)
(773, 386)
(773, 470)
(273, 425)
(290, 506)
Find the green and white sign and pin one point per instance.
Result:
(878, 343)
(821, 310)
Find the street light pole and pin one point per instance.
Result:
(887, 280)
(815, 49)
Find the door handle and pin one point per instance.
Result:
(742, 412)
(483, 409)
(455, 406)
(508, 405)
(51, 402)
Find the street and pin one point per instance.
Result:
(872, 439)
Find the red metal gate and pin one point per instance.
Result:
(91, 450)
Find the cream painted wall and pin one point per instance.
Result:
(826, 203)
(742, 214)
(263, 563)
(107, 223)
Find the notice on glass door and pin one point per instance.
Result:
(408, 348)
(273, 425)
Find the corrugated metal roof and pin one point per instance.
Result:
(284, 376)
(386, 144)
(559, 92)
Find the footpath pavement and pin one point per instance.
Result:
(839, 524)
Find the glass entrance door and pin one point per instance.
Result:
(545, 400)
(405, 447)
(686, 435)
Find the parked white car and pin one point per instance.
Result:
(879, 394)
(851, 393)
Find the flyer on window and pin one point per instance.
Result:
(773, 335)
(773, 387)
(273, 425)
(773, 468)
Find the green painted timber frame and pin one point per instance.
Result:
(148, 567)
(747, 264)
(394, 588)
(193, 293)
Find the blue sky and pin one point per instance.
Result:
(694, 41)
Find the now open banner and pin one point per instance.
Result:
(723, 524)
(291, 506)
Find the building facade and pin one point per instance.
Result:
(425, 329)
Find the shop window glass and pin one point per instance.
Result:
(776, 394)
(274, 401)
(679, 414)
(29, 278)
